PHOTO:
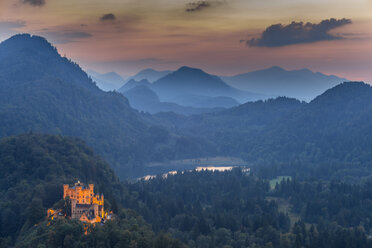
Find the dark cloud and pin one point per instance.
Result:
(108, 17)
(199, 5)
(298, 32)
(65, 36)
(34, 2)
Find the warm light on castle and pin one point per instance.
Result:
(85, 205)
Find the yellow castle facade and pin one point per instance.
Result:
(85, 205)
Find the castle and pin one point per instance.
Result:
(85, 205)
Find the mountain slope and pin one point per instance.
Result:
(301, 84)
(43, 92)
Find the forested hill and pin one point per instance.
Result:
(25, 58)
(41, 91)
(329, 137)
(33, 169)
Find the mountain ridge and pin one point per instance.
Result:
(302, 84)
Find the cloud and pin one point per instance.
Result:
(107, 17)
(11, 26)
(278, 35)
(36, 3)
(65, 36)
(195, 6)
(201, 5)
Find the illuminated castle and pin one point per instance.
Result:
(85, 206)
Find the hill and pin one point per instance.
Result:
(326, 138)
(275, 81)
(34, 168)
(41, 91)
(186, 84)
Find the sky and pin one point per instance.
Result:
(222, 37)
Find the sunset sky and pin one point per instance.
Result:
(223, 37)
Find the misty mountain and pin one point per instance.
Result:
(301, 84)
(40, 91)
(144, 99)
(150, 74)
(190, 87)
(132, 83)
(108, 81)
(184, 104)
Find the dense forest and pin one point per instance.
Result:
(189, 209)
(233, 209)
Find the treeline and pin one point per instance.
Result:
(210, 209)
(347, 205)
(231, 209)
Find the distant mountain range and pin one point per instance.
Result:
(108, 81)
(186, 84)
(185, 91)
(192, 87)
(275, 81)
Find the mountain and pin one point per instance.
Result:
(149, 74)
(301, 84)
(144, 99)
(186, 84)
(40, 91)
(133, 83)
(137, 92)
(108, 81)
